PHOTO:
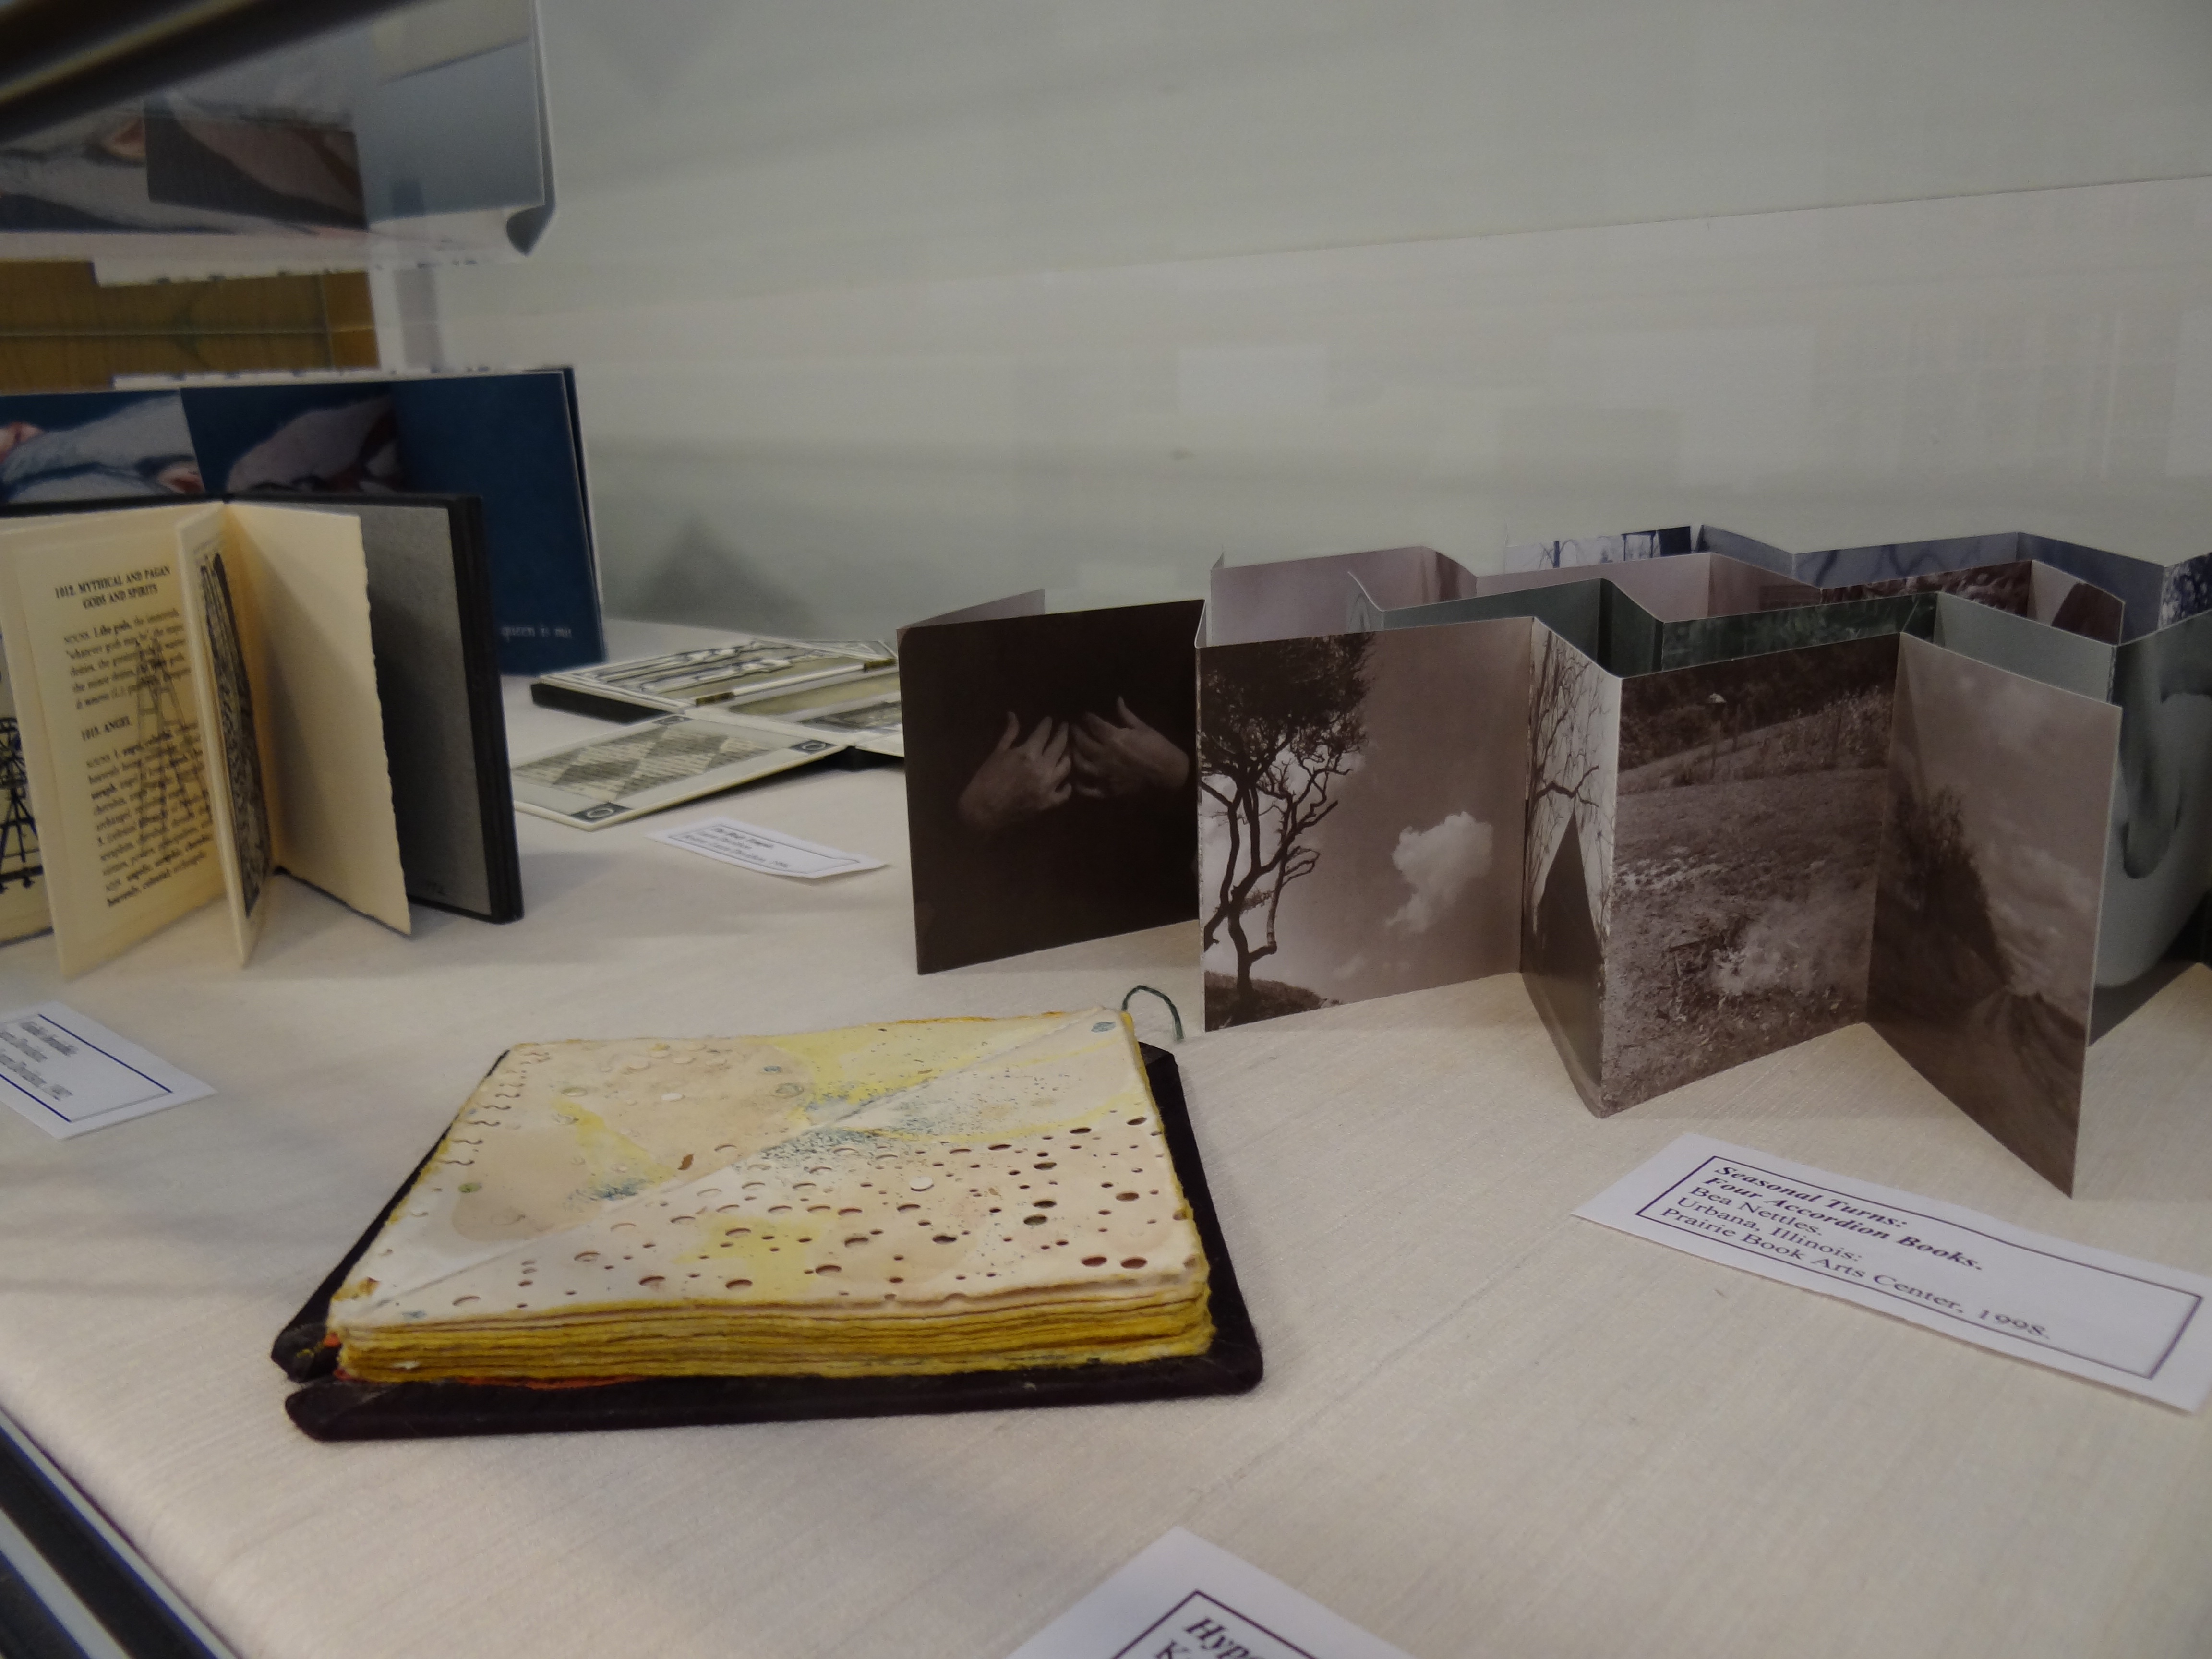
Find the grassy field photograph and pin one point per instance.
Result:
(1747, 840)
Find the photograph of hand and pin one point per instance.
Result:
(1124, 756)
(1091, 758)
(1051, 789)
(1017, 780)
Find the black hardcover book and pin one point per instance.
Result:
(571, 700)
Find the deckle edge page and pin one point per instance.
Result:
(312, 666)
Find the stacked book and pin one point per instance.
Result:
(709, 718)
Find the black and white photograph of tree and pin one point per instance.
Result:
(1360, 813)
(1574, 723)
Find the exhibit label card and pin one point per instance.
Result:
(768, 850)
(70, 1075)
(2111, 1318)
(1184, 1598)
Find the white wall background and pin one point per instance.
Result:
(883, 307)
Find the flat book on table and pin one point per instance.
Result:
(332, 1406)
(732, 673)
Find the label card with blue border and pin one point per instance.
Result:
(1184, 1598)
(2113, 1319)
(70, 1075)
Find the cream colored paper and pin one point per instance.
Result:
(106, 620)
(305, 587)
(93, 622)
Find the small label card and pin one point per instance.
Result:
(1183, 1598)
(2132, 1324)
(767, 850)
(70, 1075)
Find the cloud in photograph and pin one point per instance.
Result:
(1443, 775)
(1439, 863)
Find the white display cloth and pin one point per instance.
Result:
(1486, 1428)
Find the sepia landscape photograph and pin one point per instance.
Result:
(1360, 815)
(1985, 924)
(1747, 845)
(2008, 588)
(1574, 734)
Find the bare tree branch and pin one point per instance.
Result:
(1280, 728)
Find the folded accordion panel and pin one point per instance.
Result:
(1361, 819)
(1961, 790)
(1050, 795)
(1746, 834)
(1985, 923)
(1574, 751)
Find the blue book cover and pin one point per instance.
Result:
(513, 439)
(510, 440)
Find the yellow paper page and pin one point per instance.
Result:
(92, 616)
(219, 619)
(22, 888)
(312, 675)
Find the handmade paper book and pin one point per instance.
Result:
(437, 685)
(911, 1198)
(197, 702)
(1710, 797)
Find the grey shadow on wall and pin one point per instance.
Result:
(702, 580)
